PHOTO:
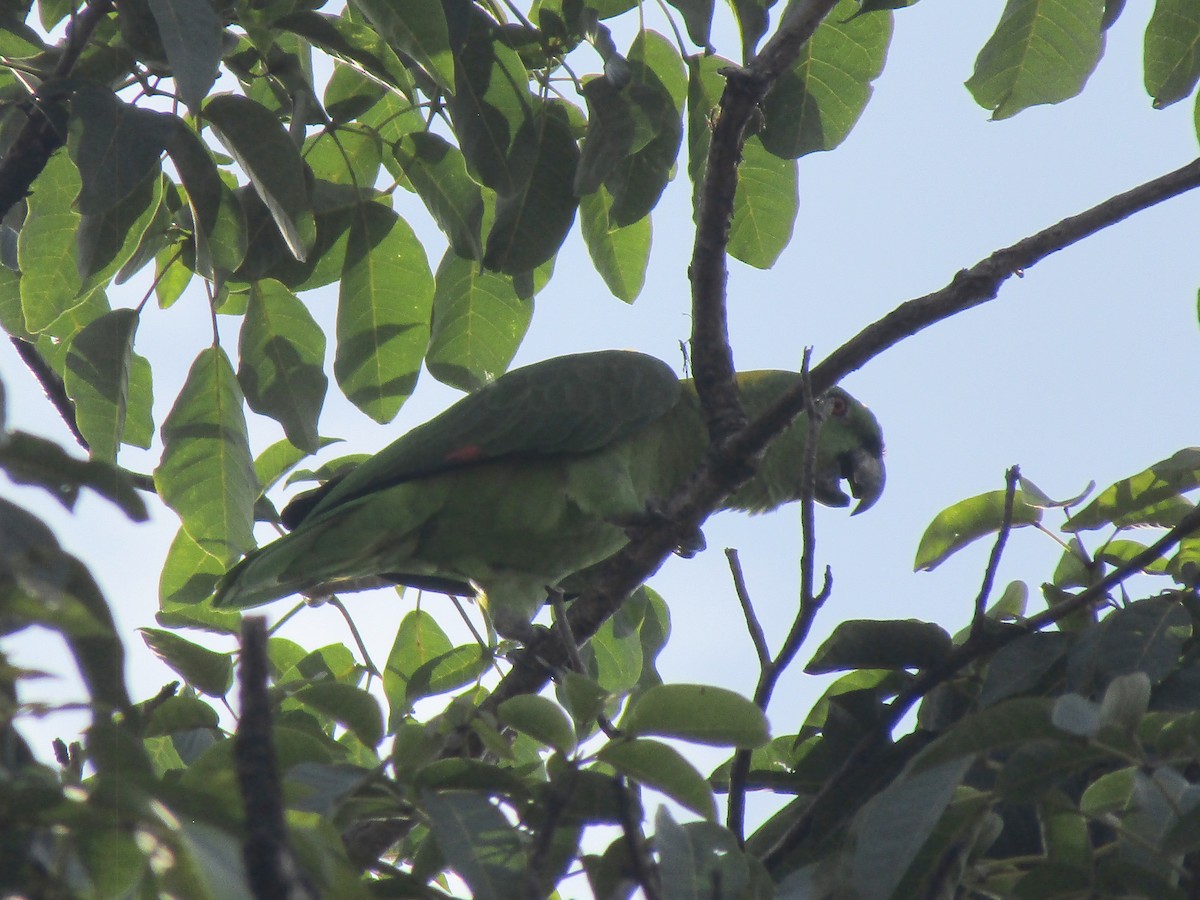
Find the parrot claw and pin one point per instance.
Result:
(689, 545)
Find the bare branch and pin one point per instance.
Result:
(712, 362)
(52, 385)
(989, 574)
(757, 636)
(967, 289)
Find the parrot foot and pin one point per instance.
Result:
(691, 543)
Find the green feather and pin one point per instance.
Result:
(537, 477)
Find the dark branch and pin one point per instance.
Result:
(52, 385)
(757, 636)
(989, 574)
(712, 357)
(271, 868)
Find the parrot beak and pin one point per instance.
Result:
(866, 474)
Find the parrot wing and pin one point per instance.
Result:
(567, 405)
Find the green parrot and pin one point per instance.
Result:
(536, 477)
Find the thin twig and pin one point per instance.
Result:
(563, 626)
(644, 871)
(810, 604)
(336, 602)
(753, 626)
(989, 575)
(53, 386)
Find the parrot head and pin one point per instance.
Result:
(857, 442)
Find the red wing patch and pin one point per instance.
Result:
(469, 453)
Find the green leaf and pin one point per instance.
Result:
(139, 404)
(347, 705)
(620, 254)
(891, 827)
(419, 639)
(114, 145)
(1126, 700)
(663, 768)
(180, 714)
(1041, 52)
(220, 226)
(657, 92)
(345, 154)
(114, 861)
(32, 460)
(260, 145)
(893, 644)
(696, 856)
(699, 713)
(191, 36)
(621, 122)
(105, 240)
(99, 359)
(614, 655)
(45, 586)
(1110, 792)
(705, 84)
(417, 28)
(448, 671)
(1076, 715)
(814, 104)
(1021, 665)
(478, 324)
(697, 18)
(437, 171)
(1120, 552)
(383, 312)
(752, 22)
(189, 573)
(354, 42)
(207, 474)
(541, 719)
(50, 281)
(206, 670)
(478, 842)
(281, 362)
(1136, 500)
(764, 207)
(1172, 52)
(968, 520)
(1016, 721)
(533, 219)
(1145, 636)
(491, 104)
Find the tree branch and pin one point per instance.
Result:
(712, 357)
(716, 477)
(271, 868)
(989, 574)
(979, 644)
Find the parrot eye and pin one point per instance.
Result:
(837, 405)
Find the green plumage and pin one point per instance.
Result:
(535, 477)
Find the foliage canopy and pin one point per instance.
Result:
(261, 149)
